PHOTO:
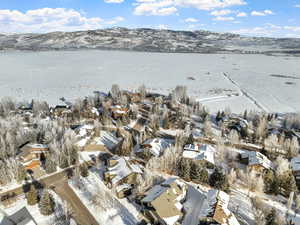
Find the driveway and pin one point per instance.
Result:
(192, 206)
(81, 214)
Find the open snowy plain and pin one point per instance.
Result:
(269, 83)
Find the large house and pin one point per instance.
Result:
(256, 161)
(156, 146)
(106, 142)
(215, 210)
(295, 164)
(121, 173)
(21, 217)
(162, 203)
(31, 155)
(201, 152)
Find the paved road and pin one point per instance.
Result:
(192, 206)
(81, 214)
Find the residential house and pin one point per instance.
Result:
(121, 173)
(156, 146)
(32, 155)
(256, 161)
(215, 209)
(201, 152)
(163, 203)
(61, 110)
(118, 112)
(295, 164)
(106, 142)
(21, 217)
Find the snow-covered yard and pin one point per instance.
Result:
(102, 203)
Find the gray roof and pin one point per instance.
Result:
(21, 217)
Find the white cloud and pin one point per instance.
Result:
(262, 13)
(297, 6)
(156, 8)
(223, 12)
(209, 4)
(191, 20)
(271, 30)
(168, 7)
(114, 1)
(162, 27)
(50, 19)
(242, 14)
(223, 18)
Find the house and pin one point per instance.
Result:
(163, 203)
(215, 209)
(21, 217)
(61, 110)
(257, 161)
(106, 142)
(121, 173)
(32, 155)
(201, 152)
(295, 164)
(156, 146)
(118, 111)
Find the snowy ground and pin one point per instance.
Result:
(250, 82)
(34, 210)
(113, 210)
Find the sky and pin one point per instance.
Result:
(272, 18)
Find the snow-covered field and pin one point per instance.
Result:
(253, 81)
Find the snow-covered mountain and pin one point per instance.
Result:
(149, 40)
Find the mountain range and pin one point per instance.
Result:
(150, 40)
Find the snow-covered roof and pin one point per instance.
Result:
(217, 208)
(37, 146)
(199, 152)
(256, 158)
(158, 145)
(82, 129)
(295, 163)
(166, 200)
(123, 168)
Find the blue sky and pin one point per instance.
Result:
(278, 18)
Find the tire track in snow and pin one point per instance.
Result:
(245, 93)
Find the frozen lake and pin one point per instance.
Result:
(253, 81)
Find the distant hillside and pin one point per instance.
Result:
(150, 40)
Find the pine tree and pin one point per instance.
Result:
(32, 196)
(50, 166)
(84, 172)
(63, 161)
(21, 173)
(271, 218)
(184, 169)
(271, 183)
(190, 139)
(46, 204)
(199, 173)
(219, 180)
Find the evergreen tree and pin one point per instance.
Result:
(199, 173)
(21, 173)
(190, 140)
(32, 196)
(184, 169)
(287, 183)
(63, 161)
(84, 172)
(46, 204)
(219, 180)
(50, 166)
(166, 123)
(271, 218)
(271, 183)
